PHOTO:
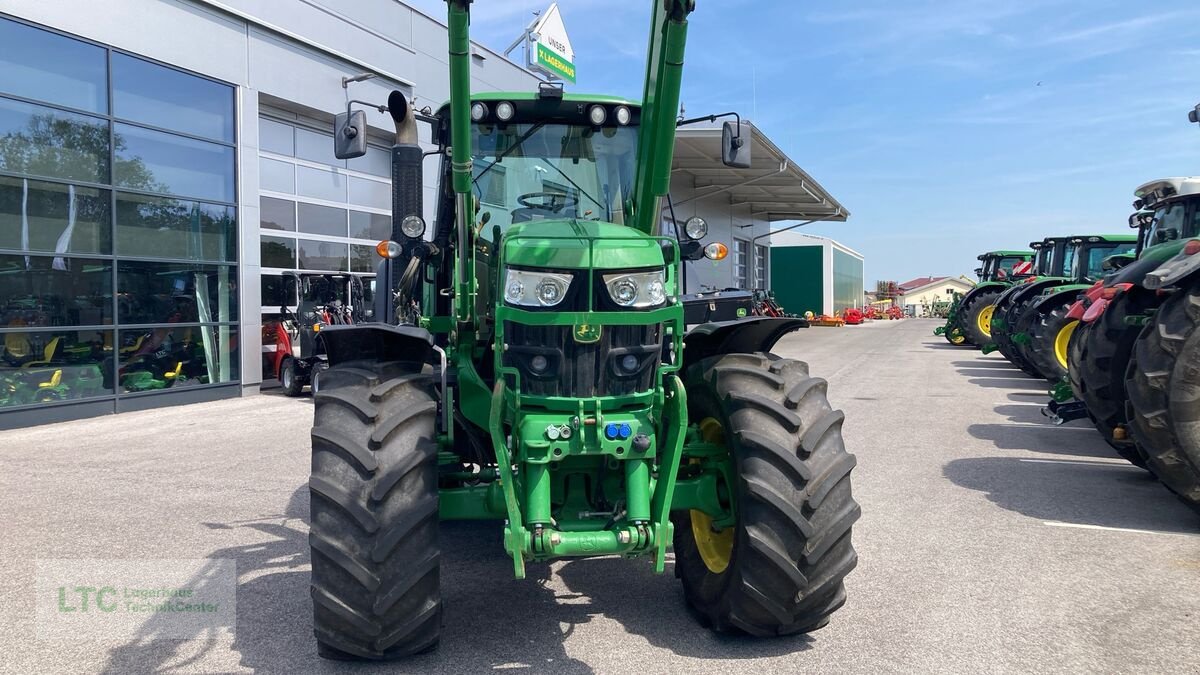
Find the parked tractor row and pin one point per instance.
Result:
(1110, 321)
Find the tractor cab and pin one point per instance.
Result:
(1089, 254)
(1005, 266)
(1175, 204)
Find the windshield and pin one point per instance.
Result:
(1167, 224)
(1004, 268)
(1094, 257)
(536, 171)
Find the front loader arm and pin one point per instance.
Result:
(660, 103)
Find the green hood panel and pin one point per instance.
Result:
(564, 244)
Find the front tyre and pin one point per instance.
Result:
(1164, 395)
(976, 317)
(780, 568)
(374, 505)
(290, 378)
(1049, 334)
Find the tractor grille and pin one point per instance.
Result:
(583, 369)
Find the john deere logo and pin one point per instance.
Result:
(741, 312)
(587, 333)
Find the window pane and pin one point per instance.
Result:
(377, 161)
(42, 65)
(363, 258)
(159, 162)
(370, 193)
(163, 97)
(278, 252)
(37, 216)
(150, 292)
(277, 214)
(316, 147)
(169, 358)
(316, 219)
(276, 137)
(276, 176)
(172, 228)
(377, 226)
(272, 295)
(54, 291)
(320, 184)
(322, 255)
(45, 142)
(43, 367)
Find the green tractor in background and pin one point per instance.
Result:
(532, 366)
(1035, 323)
(1048, 261)
(970, 321)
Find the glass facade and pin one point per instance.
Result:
(118, 224)
(741, 263)
(318, 213)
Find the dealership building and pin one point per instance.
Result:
(164, 162)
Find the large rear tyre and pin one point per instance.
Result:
(1098, 355)
(1049, 333)
(975, 317)
(779, 569)
(1019, 321)
(374, 506)
(1164, 395)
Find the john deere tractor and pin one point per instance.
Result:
(1036, 322)
(1049, 262)
(532, 366)
(971, 321)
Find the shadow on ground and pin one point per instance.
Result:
(1065, 441)
(491, 620)
(1074, 491)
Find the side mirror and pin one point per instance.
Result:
(978, 271)
(350, 134)
(1194, 115)
(689, 250)
(735, 145)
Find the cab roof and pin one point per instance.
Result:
(1005, 254)
(1165, 188)
(497, 96)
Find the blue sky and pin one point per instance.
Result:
(946, 128)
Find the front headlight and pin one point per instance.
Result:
(638, 289)
(535, 289)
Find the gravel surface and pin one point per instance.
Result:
(990, 541)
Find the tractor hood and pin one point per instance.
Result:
(580, 244)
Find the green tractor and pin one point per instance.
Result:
(1037, 325)
(970, 321)
(1049, 260)
(1135, 360)
(531, 366)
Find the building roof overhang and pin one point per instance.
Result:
(774, 187)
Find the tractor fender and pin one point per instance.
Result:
(1184, 264)
(985, 286)
(1059, 296)
(1085, 299)
(743, 336)
(375, 342)
(1097, 299)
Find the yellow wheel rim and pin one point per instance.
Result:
(1062, 341)
(958, 338)
(984, 320)
(716, 548)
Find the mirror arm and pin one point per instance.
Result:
(714, 118)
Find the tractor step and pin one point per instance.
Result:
(1061, 413)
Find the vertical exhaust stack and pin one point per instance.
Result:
(406, 201)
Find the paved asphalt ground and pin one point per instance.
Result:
(989, 542)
